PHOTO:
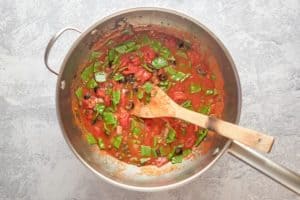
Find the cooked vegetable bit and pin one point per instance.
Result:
(126, 47)
(147, 67)
(118, 77)
(194, 88)
(176, 159)
(205, 109)
(97, 66)
(91, 84)
(140, 94)
(79, 93)
(99, 108)
(171, 136)
(156, 45)
(176, 75)
(134, 127)
(91, 139)
(121, 72)
(165, 53)
(148, 87)
(87, 73)
(116, 96)
(144, 160)
(117, 141)
(146, 151)
(211, 92)
(101, 144)
(187, 104)
(94, 55)
(186, 152)
(112, 54)
(109, 118)
(159, 63)
(200, 136)
(100, 77)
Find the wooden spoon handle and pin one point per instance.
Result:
(251, 138)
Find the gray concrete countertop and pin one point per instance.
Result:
(263, 38)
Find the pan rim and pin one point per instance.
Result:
(85, 163)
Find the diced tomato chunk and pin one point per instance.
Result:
(160, 161)
(107, 100)
(148, 138)
(170, 42)
(89, 103)
(142, 75)
(98, 129)
(100, 92)
(124, 60)
(153, 125)
(148, 54)
(123, 99)
(89, 114)
(131, 69)
(124, 118)
(178, 96)
(136, 60)
(152, 128)
(208, 83)
(134, 149)
(190, 136)
(194, 57)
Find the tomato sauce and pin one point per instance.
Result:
(124, 69)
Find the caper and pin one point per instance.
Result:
(135, 89)
(96, 88)
(99, 117)
(110, 64)
(122, 80)
(163, 77)
(130, 78)
(129, 105)
(201, 71)
(94, 121)
(183, 44)
(158, 152)
(173, 62)
(180, 43)
(87, 96)
(178, 150)
(107, 132)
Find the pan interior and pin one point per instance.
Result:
(114, 171)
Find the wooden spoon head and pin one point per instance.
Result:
(160, 105)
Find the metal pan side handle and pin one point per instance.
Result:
(52, 42)
(280, 174)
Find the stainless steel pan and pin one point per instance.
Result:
(150, 178)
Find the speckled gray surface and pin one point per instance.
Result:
(35, 163)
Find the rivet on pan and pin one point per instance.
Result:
(94, 31)
(62, 84)
(216, 151)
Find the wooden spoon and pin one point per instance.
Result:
(161, 105)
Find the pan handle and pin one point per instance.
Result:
(52, 42)
(280, 174)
